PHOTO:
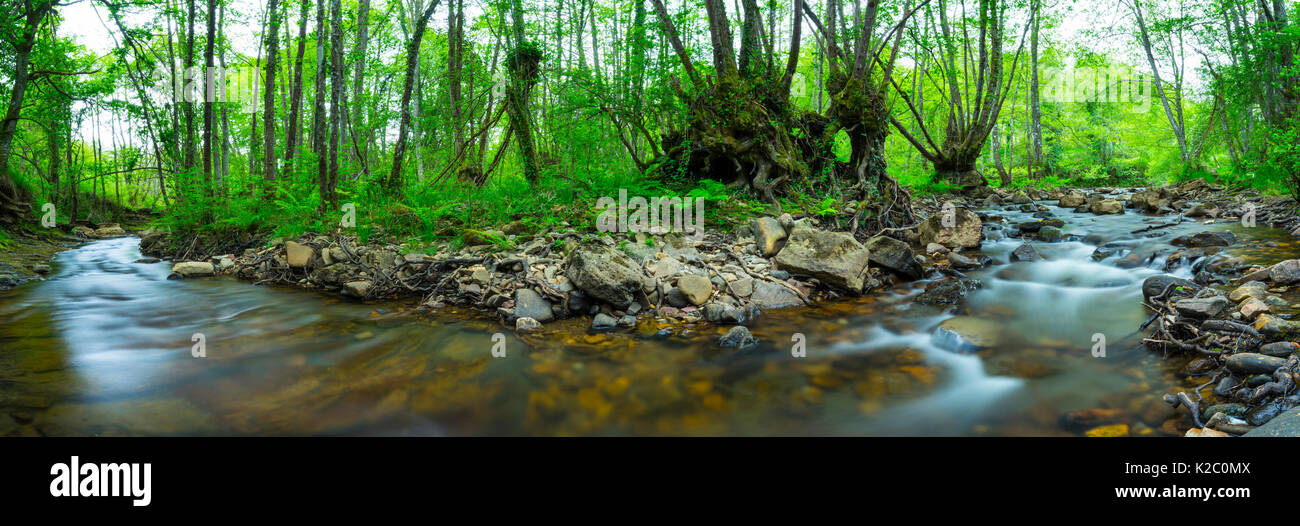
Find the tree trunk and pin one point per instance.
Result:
(336, 95)
(318, 108)
(293, 137)
(268, 95)
(209, 84)
(357, 121)
(394, 181)
(523, 66)
(12, 204)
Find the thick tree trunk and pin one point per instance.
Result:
(12, 204)
(523, 65)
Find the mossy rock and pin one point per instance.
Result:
(473, 237)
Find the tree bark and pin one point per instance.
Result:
(13, 205)
(268, 94)
(293, 137)
(394, 181)
(336, 96)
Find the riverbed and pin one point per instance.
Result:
(107, 345)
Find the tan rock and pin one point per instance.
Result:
(298, 255)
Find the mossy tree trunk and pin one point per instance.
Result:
(743, 128)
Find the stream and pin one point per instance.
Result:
(104, 346)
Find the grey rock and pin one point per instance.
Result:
(530, 304)
(768, 295)
(1154, 285)
(356, 289)
(1248, 363)
(603, 322)
(1024, 252)
(1284, 425)
(695, 288)
(834, 258)
(1202, 307)
(966, 230)
(605, 274)
(1050, 234)
(1107, 206)
(742, 287)
(738, 337)
(769, 235)
(894, 255)
(947, 291)
(1278, 349)
(1285, 273)
(1206, 239)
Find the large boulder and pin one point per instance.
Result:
(1284, 425)
(1249, 363)
(1202, 307)
(894, 255)
(530, 304)
(769, 235)
(1205, 239)
(947, 291)
(968, 334)
(695, 288)
(738, 337)
(1154, 285)
(834, 258)
(965, 230)
(604, 273)
(1074, 199)
(1276, 329)
(357, 289)
(194, 269)
(1285, 273)
(1107, 206)
(109, 230)
(1024, 252)
(1152, 199)
(768, 295)
(298, 255)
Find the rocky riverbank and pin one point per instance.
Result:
(27, 256)
(528, 278)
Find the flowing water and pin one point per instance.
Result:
(105, 346)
